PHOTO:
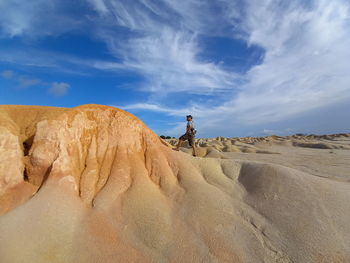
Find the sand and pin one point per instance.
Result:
(325, 155)
(95, 184)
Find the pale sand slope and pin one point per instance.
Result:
(96, 185)
(326, 155)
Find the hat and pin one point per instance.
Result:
(189, 116)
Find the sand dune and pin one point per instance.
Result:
(94, 184)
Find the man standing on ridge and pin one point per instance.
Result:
(189, 135)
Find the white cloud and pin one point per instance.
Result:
(270, 132)
(22, 81)
(7, 74)
(158, 108)
(59, 88)
(25, 82)
(275, 132)
(292, 79)
(37, 18)
(305, 66)
(60, 62)
(169, 62)
(166, 57)
(99, 5)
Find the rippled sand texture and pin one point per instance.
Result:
(94, 184)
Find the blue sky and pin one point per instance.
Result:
(240, 67)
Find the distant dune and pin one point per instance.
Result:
(95, 184)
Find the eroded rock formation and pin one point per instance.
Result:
(94, 184)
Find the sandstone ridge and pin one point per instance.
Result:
(94, 184)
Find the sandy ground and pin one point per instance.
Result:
(95, 184)
(332, 163)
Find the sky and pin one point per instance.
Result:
(239, 67)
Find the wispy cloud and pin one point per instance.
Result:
(168, 59)
(39, 18)
(305, 66)
(59, 88)
(158, 108)
(7, 74)
(23, 81)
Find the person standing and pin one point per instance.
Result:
(189, 135)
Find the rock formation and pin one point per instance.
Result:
(94, 184)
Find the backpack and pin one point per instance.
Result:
(194, 131)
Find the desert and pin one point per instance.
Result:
(174, 131)
(94, 184)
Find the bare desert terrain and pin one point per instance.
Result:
(320, 155)
(95, 184)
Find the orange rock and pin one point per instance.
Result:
(94, 184)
